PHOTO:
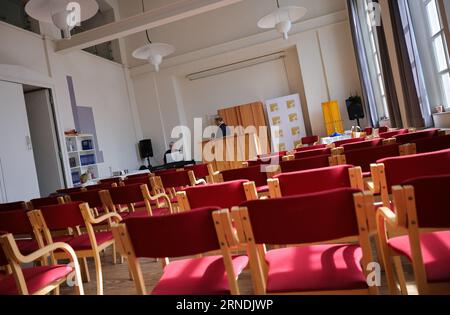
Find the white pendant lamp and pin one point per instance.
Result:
(282, 19)
(153, 52)
(64, 14)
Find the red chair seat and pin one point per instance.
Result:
(197, 276)
(262, 189)
(36, 278)
(435, 251)
(82, 242)
(315, 268)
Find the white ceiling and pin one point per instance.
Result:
(215, 27)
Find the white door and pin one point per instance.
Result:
(43, 137)
(16, 152)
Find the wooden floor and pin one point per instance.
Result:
(116, 279)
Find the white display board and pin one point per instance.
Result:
(286, 114)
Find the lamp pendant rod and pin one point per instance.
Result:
(278, 4)
(146, 31)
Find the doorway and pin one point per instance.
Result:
(44, 138)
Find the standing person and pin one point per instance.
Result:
(223, 130)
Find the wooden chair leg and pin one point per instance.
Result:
(56, 291)
(114, 253)
(99, 274)
(400, 275)
(84, 269)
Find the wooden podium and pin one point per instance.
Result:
(230, 152)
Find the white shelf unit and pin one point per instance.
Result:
(82, 157)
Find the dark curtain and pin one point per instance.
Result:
(361, 57)
(412, 103)
(389, 84)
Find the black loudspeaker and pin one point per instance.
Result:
(145, 148)
(355, 108)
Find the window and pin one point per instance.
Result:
(439, 45)
(372, 53)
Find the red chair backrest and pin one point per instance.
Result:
(362, 144)
(313, 147)
(305, 164)
(99, 186)
(200, 170)
(311, 153)
(123, 195)
(432, 200)
(61, 217)
(143, 175)
(172, 170)
(175, 179)
(340, 143)
(92, 197)
(301, 219)
(424, 134)
(402, 168)
(13, 206)
(310, 140)
(383, 129)
(15, 222)
(251, 173)
(311, 181)
(368, 131)
(432, 144)
(116, 180)
(391, 134)
(177, 235)
(69, 190)
(137, 180)
(223, 195)
(46, 201)
(367, 156)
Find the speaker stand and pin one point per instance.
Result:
(149, 164)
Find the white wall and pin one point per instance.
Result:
(99, 83)
(167, 99)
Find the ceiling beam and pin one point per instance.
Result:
(141, 22)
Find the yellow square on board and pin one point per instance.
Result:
(279, 133)
(282, 147)
(273, 107)
(295, 131)
(276, 120)
(297, 143)
(290, 104)
(293, 117)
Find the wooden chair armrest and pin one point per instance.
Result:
(165, 197)
(106, 217)
(388, 215)
(200, 181)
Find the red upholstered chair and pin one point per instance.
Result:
(133, 200)
(201, 171)
(17, 223)
(420, 208)
(141, 179)
(92, 197)
(316, 180)
(431, 144)
(305, 164)
(312, 153)
(196, 232)
(101, 186)
(36, 280)
(59, 218)
(172, 182)
(46, 201)
(368, 131)
(424, 134)
(383, 129)
(394, 171)
(145, 175)
(347, 141)
(70, 190)
(223, 195)
(391, 134)
(312, 147)
(18, 205)
(367, 156)
(113, 180)
(311, 140)
(252, 173)
(362, 144)
(321, 219)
